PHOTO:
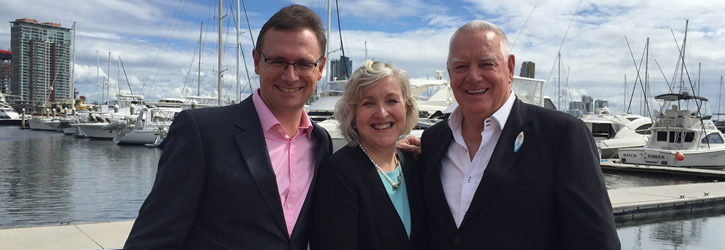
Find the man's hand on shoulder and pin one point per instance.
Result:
(409, 144)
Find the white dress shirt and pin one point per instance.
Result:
(460, 175)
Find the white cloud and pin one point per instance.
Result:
(157, 42)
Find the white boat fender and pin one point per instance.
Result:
(117, 125)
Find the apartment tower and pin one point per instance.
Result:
(41, 62)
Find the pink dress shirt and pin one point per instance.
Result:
(292, 159)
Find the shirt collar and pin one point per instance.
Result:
(268, 120)
(500, 116)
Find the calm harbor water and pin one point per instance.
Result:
(48, 178)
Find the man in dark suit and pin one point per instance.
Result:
(503, 174)
(241, 176)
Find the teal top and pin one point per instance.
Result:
(398, 196)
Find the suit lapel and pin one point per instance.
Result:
(253, 147)
(502, 159)
(433, 188)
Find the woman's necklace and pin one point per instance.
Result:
(400, 176)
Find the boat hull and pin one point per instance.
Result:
(40, 124)
(140, 136)
(704, 158)
(94, 131)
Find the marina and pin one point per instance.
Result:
(84, 194)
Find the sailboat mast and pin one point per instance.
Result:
(719, 97)
(98, 77)
(624, 104)
(198, 75)
(118, 76)
(699, 71)
(684, 42)
(239, 83)
(108, 89)
(329, 21)
(366, 50)
(72, 68)
(646, 81)
(558, 84)
(219, 65)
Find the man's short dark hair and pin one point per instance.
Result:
(293, 18)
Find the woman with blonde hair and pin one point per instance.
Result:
(368, 194)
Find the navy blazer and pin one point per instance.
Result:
(548, 195)
(352, 209)
(215, 187)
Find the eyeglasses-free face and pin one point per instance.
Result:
(279, 65)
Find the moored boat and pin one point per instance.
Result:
(680, 138)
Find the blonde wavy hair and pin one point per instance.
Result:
(365, 77)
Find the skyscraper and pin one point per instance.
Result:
(6, 70)
(528, 69)
(340, 69)
(41, 62)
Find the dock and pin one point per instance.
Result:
(644, 204)
(108, 235)
(630, 206)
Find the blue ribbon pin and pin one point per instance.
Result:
(519, 141)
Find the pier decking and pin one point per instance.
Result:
(629, 204)
(108, 235)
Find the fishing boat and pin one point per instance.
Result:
(680, 138)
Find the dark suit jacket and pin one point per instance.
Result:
(548, 195)
(352, 209)
(215, 187)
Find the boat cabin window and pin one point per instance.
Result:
(713, 138)
(676, 137)
(644, 129)
(689, 136)
(603, 130)
(661, 136)
(674, 134)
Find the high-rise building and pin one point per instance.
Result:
(340, 69)
(41, 62)
(598, 104)
(6, 70)
(587, 103)
(528, 69)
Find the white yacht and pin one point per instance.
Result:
(41, 123)
(124, 109)
(8, 116)
(632, 135)
(680, 138)
(147, 127)
(324, 107)
(605, 125)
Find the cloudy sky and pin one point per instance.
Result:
(158, 40)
